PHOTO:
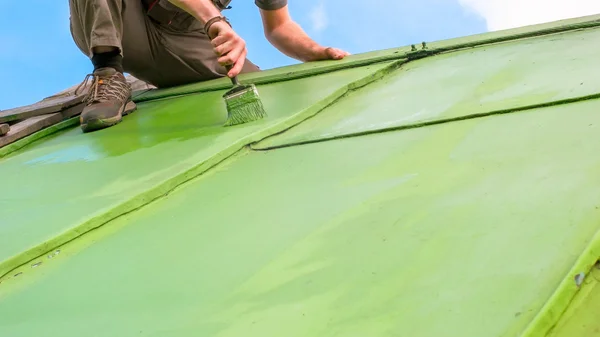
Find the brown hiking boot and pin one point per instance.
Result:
(108, 98)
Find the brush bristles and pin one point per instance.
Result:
(244, 107)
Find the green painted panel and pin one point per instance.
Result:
(73, 178)
(581, 319)
(465, 227)
(454, 85)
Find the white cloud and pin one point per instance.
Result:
(504, 14)
(318, 18)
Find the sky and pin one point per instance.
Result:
(38, 57)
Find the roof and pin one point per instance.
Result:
(450, 186)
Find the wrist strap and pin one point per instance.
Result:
(212, 21)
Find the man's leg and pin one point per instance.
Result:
(97, 28)
(118, 35)
(162, 55)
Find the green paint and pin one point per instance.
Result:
(449, 223)
(21, 143)
(370, 236)
(99, 176)
(461, 85)
(582, 317)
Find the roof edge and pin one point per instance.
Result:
(561, 299)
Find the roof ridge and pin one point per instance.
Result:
(406, 52)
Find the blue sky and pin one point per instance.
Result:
(38, 57)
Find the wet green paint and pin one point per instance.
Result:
(244, 105)
(465, 227)
(456, 85)
(71, 182)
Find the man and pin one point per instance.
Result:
(171, 42)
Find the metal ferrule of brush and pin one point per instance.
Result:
(240, 90)
(243, 104)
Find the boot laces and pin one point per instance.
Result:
(104, 88)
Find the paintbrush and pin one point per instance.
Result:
(243, 103)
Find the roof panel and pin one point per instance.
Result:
(70, 183)
(479, 223)
(581, 319)
(482, 80)
(387, 234)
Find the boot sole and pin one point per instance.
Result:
(99, 124)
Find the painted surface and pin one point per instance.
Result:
(582, 317)
(68, 179)
(474, 81)
(465, 227)
(474, 226)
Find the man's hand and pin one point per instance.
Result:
(229, 46)
(333, 54)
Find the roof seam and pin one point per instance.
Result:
(434, 122)
(165, 187)
(145, 198)
(558, 303)
(147, 202)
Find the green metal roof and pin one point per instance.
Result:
(450, 190)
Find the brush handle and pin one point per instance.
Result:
(234, 80)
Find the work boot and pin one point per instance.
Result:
(107, 100)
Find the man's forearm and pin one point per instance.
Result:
(290, 39)
(203, 10)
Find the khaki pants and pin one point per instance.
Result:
(159, 54)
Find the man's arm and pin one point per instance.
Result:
(230, 47)
(289, 38)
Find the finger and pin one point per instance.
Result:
(219, 40)
(233, 55)
(224, 48)
(335, 54)
(237, 68)
(338, 54)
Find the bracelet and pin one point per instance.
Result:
(212, 21)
